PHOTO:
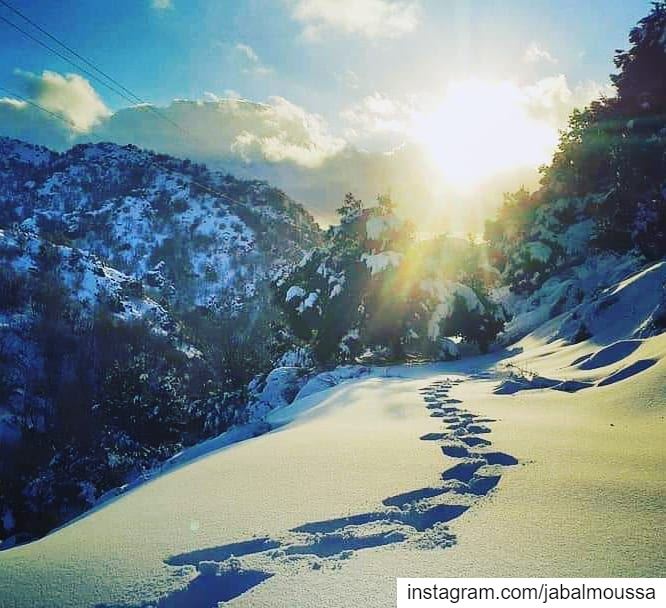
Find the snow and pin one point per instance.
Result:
(577, 237)
(377, 226)
(316, 502)
(326, 380)
(610, 354)
(300, 356)
(445, 294)
(311, 513)
(656, 270)
(539, 251)
(564, 292)
(379, 262)
(294, 292)
(308, 302)
(280, 387)
(148, 207)
(347, 479)
(25, 153)
(448, 349)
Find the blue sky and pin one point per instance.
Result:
(450, 102)
(189, 47)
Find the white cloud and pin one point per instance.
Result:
(367, 18)
(70, 96)
(297, 150)
(287, 133)
(552, 99)
(227, 129)
(375, 115)
(252, 64)
(535, 54)
(20, 120)
(227, 94)
(161, 5)
(248, 51)
(549, 100)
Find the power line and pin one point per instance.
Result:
(89, 63)
(134, 99)
(155, 163)
(125, 95)
(39, 107)
(64, 57)
(70, 50)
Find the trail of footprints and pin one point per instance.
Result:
(418, 517)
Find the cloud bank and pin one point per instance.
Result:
(377, 150)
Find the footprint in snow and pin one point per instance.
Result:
(417, 517)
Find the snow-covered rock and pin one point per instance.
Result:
(278, 389)
(300, 356)
(448, 349)
(562, 292)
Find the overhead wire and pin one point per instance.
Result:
(115, 86)
(192, 181)
(38, 106)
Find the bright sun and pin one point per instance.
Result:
(481, 129)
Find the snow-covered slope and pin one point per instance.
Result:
(112, 259)
(206, 238)
(414, 471)
(86, 278)
(423, 470)
(83, 285)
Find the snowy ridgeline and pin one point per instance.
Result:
(156, 218)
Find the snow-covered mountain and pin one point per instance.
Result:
(28, 301)
(207, 238)
(135, 295)
(403, 471)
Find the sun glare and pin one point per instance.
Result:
(481, 129)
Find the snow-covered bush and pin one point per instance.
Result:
(276, 389)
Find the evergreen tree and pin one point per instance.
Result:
(370, 285)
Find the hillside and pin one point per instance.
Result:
(214, 238)
(142, 280)
(207, 400)
(410, 470)
(603, 194)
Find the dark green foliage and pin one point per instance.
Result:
(363, 289)
(641, 76)
(98, 399)
(610, 165)
(477, 327)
